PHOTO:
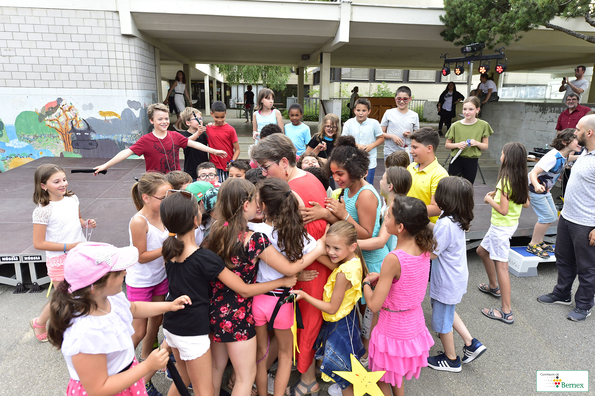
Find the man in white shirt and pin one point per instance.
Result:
(578, 86)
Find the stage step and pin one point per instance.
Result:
(521, 263)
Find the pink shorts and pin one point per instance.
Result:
(262, 309)
(55, 266)
(137, 389)
(147, 293)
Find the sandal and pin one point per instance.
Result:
(43, 337)
(505, 317)
(547, 248)
(537, 251)
(296, 389)
(485, 287)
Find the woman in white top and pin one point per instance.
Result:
(180, 90)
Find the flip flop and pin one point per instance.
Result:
(43, 337)
(505, 317)
(485, 288)
(296, 390)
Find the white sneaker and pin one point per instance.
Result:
(335, 390)
(271, 383)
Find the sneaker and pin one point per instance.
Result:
(271, 383)
(473, 352)
(151, 390)
(578, 315)
(441, 362)
(551, 298)
(335, 390)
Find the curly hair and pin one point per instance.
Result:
(347, 156)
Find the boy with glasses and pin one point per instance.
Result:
(398, 124)
(207, 172)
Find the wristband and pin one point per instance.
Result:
(367, 283)
(346, 217)
(64, 248)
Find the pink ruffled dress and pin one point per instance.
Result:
(401, 342)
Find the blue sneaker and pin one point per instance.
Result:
(151, 390)
(442, 363)
(472, 352)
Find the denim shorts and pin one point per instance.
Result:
(544, 208)
(335, 343)
(443, 315)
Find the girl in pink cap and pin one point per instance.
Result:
(91, 322)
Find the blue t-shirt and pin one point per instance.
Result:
(299, 135)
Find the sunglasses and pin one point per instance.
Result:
(186, 194)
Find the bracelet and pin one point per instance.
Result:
(64, 248)
(346, 217)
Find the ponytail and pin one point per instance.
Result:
(147, 185)
(359, 254)
(177, 213)
(137, 197)
(413, 214)
(425, 240)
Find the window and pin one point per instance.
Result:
(355, 74)
(422, 75)
(454, 78)
(389, 75)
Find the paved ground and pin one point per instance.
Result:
(540, 339)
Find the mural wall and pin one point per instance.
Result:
(66, 127)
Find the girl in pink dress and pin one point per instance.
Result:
(400, 341)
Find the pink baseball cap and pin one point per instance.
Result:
(89, 261)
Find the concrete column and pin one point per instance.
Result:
(160, 97)
(207, 96)
(300, 86)
(591, 98)
(214, 90)
(186, 68)
(325, 81)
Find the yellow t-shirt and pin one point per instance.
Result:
(353, 272)
(425, 182)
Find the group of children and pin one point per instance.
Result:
(220, 255)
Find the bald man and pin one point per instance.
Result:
(575, 241)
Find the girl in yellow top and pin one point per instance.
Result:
(340, 335)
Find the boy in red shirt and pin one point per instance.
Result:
(161, 147)
(222, 136)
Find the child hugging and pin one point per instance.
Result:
(284, 227)
(57, 228)
(511, 195)
(91, 322)
(340, 335)
(449, 275)
(400, 341)
(232, 321)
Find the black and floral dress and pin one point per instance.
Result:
(231, 314)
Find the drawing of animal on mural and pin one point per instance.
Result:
(61, 115)
(90, 147)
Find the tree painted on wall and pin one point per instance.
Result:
(65, 116)
(3, 134)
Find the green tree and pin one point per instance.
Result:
(503, 21)
(274, 77)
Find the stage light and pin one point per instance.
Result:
(460, 69)
(501, 66)
(472, 48)
(484, 67)
(445, 70)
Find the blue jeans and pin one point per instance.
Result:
(370, 177)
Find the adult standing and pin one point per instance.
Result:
(575, 241)
(249, 103)
(180, 90)
(447, 105)
(570, 117)
(578, 86)
(276, 157)
(354, 98)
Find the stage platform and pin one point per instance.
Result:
(107, 199)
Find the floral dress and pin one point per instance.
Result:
(231, 314)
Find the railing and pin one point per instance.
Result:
(311, 106)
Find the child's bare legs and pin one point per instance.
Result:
(42, 320)
(538, 233)
(242, 353)
(262, 351)
(386, 389)
(460, 327)
(285, 354)
(197, 371)
(308, 377)
(504, 282)
(219, 362)
(489, 265)
(448, 343)
(348, 391)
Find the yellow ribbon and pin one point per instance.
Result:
(49, 288)
(294, 332)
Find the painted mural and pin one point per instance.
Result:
(58, 130)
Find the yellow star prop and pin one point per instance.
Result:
(362, 380)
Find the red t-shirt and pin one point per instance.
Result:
(221, 138)
(569, 120)
(161, 155)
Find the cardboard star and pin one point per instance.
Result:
(362, 380)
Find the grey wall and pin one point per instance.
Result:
(532, 124)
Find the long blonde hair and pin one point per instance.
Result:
(148, 184)
(347, 232)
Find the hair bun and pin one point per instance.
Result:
(346, 140)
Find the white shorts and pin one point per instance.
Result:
(497, 242)
(190, 347)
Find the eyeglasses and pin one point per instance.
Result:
(265, 169)
(159, 198)
(185, 193)
(402, 99)
(330, 127)
(571, 99)
(207, 176)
